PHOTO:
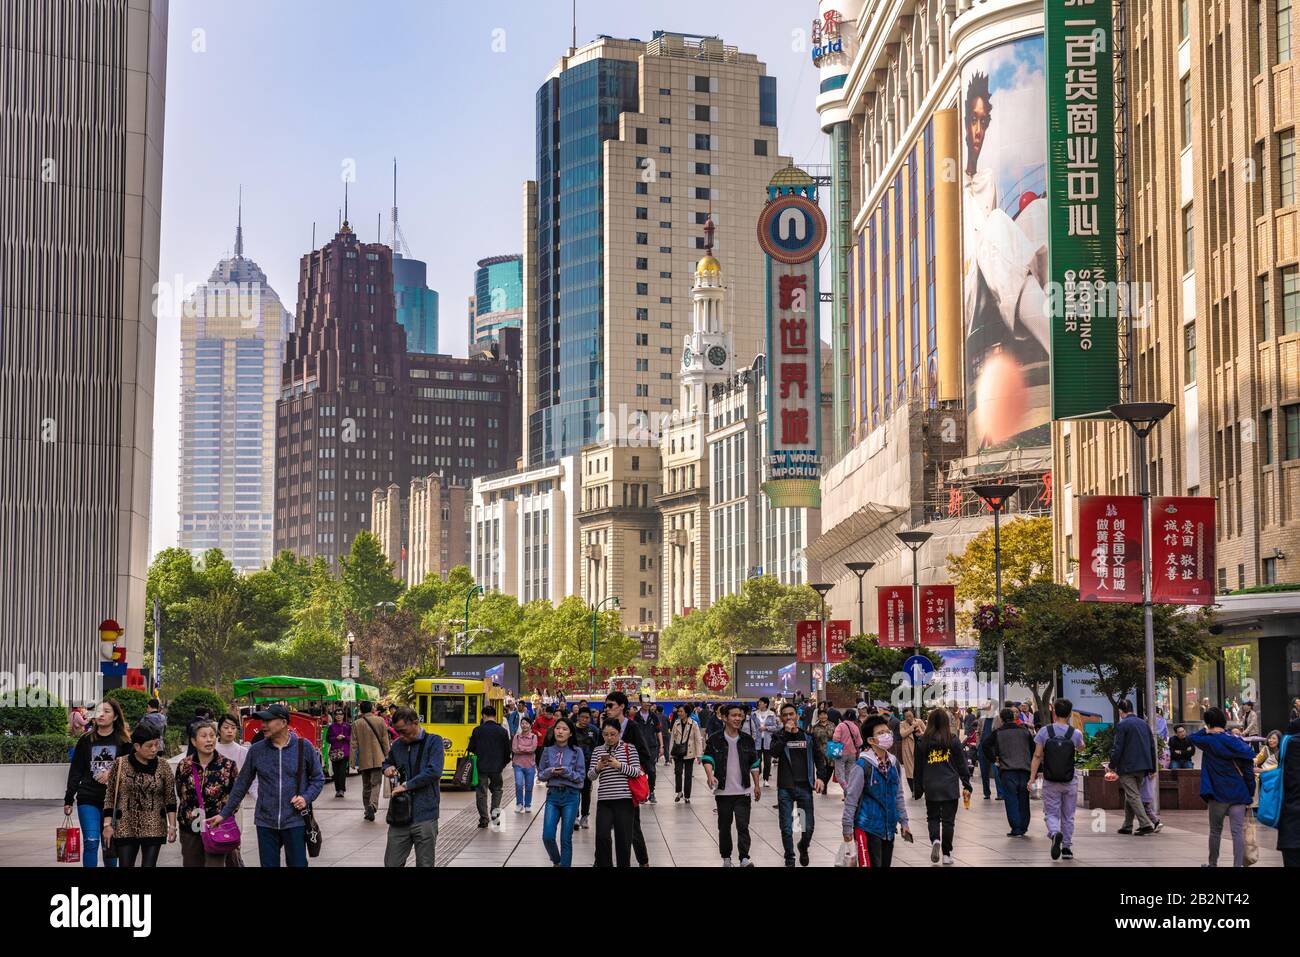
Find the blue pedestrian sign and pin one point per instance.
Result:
(918, 670)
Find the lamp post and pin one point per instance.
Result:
(352, 640)
(860, 569)
(595, 611)
(1142, 417)
(822, 588)
(914, 540)
(474, 590)
(996, 497)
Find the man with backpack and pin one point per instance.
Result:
(1054, 749)
(415, 760)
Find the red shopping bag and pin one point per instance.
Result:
(67, 842)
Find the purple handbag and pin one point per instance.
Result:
(223, 838)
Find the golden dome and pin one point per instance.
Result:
(791, 176)
(708, 265)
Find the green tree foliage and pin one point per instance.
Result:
(561, 638)
(1026, 560)
(182, 707)
(1049, 621)
(367, 578)
(875, 669)
(390, 642)
(133, 701)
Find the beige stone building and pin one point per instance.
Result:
(423, 529)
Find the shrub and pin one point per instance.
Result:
(180, 711)
(34, 721)
(35, 749)
(134, 703)
(174, 742)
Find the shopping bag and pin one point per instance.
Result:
(67, 842)
(464, 776)
(847, 855)
(1251, 855)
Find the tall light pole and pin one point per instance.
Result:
(352, 640)
(474, 590)
(860, 569)
(914, 540)
(822, 588)
(996, 497)
(1142, 417)
(595, 612)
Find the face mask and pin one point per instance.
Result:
(884, 741)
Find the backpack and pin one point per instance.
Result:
(1058, 756)
(1269, 812)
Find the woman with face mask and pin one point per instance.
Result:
(874, 803)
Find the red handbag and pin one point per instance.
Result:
(639, 785)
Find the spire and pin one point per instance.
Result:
(708, 235)
(398, 244)
(345, 202)
(239, 226)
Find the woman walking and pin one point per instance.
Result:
(339, 736)
(93, 758)
(140, 802)
(1225, 788)
(564, 769)
(849, 736)
(523, 749)
(909, 730)
(203, 782)
(685, 744)
(612, 764)
(940, 768)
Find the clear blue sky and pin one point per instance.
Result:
(285, 91)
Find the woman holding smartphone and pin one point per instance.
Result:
(564, 769)
(612, 764)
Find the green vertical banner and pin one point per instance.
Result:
(1083, 296)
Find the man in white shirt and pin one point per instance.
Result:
(732, 755)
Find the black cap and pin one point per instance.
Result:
(272, 711)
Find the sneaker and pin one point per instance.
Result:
(519, 809)
(803, 857)
(496, 814)
(369, 815)
(338, 794)
(528, 810)
(934, 852)
(1013, 833)
(726, 862)
(652, 799)
(1156, 826)
(947, 858)
(582, 823)
(686, 800)
(1144, 831)
(746, 862)
(1057, 838)
(1067, 854)
(678, 797)
(1125, 830)
(484, 823)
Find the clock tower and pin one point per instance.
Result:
(707, 353)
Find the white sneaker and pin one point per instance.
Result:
(947, 858)
(528, 810)
(496, 815)
(519, 809)
(935, 849)
(746, 862)
(726, 862)
(582, 823)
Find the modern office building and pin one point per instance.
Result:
(357, 410)
(83, 106)
(415, 302)
(233, 331)
(637, 145)
(423, 529)
(498, 300)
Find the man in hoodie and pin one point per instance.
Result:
(875, 806)
(798, 777)
(1133, 757)
(1011, 747)
(1226, 789)
(289, 778)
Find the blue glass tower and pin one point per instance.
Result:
(417, 304)
(498, 297)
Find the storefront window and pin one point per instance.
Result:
(1200, 689)
(1240, 676)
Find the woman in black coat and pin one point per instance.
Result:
(1288, 828)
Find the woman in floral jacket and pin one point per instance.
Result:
(218, 775)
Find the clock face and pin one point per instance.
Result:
(718, 355)
(687, 357)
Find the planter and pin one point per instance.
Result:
(1100, 793)
(33, 782)
(1180, 790)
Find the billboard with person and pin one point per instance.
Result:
(758, 675)
(504, 669)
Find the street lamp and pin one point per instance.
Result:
(594, 613)
(860, 569)
(352, 640)
(474, 590)
(914, 540)
(822, 588)
(996, 498)
(1142, 417)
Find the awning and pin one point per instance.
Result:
(869, 531)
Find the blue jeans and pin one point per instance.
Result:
(786, 799)
(989, 772)
(1016, 797)
(292, 839)
(524, 786)
(91, 819)
(1181, 763)
(562, 811)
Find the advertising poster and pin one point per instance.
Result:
(504, 668)
(1005, 246)
(807, 641)
(938, 615)
(1110, 548)
(758, 675)
(837, 638)
(894, 613)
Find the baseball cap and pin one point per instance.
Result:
(272, 711)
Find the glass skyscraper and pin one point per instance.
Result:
(498, 301)
(417, 304)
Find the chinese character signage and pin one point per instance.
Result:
(837, 637)
(791, 231)
(1110, 548)
(894, 614)
(938, 616)
(807, 641)
(715, 676)
(1182, 550)
(1082, 297)
(825, 36)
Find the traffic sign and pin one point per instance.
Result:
(918, 669)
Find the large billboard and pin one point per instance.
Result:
(504, 669)
(758, 675)
(1005, 246)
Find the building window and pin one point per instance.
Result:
(1189, 353)
(702, 84)
(702, 141)
(641, 135)
(643, 315)
(642, 212)
(703, 169)
(642, 263)
(643, 289)
(1290, 300)
(1286, 167)
(1266, 427)
(1263, 289)
(701, 217)
(642, 188)
(643, 338)
(760, 147)
(1291, 431)
(703, 113)
(1268, 573)
(1283, 31)
(643, 239)
(1187, 111)
(1189, 244)
(1184, 20)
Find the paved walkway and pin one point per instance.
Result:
(682, 835)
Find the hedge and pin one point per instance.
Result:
(34, 721)
(133, 701)
(35, 749)
(180, 710)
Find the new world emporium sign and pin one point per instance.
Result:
(791, 231)
(1083, 296)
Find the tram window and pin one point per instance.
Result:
(444, 709)
(473, 710)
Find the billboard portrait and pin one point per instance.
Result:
(1005, 232)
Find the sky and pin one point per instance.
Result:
(278, 95)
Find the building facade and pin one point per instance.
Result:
(233, 332)
(79, 270)
(423, 529)
(416, 304)
(498, 300)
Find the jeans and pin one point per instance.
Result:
(989, 772)
(340, 768)
(683, 769)
(786, 799)
(1236, 815)
(488, 782)
(1059, 801)
(1015, 794)
(91, 819)
(735, 806)
(1180, 763)
(1133, 806)
(561, 811)
(524, 778)
(271, 839)
(614, 832)
(941, 818)
(423, 836)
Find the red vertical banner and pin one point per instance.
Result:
(807, 641)
(837, 637)
(894, 614)
(1110, 548)
(938, 616)
(1182, 550)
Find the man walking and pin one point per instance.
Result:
(1011, 747)
(490, 745)
(651, 729)
(798, 777)
(415, 760)
(154, 718)
(763, 724)
(585, 739)
(1133, 757)
(370, 738)
(727, 756)
(630, 733)
(1054, 750)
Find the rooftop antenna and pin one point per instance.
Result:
(399, 244)
(345, 202)
(379, 227)
(239, 226)
(313, 235)
(575, 24)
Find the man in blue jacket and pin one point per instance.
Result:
(1227, 782)
(1133, 757)
(416, 759)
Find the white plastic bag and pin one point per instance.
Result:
(847, 855)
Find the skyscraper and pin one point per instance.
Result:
(415, 302)
(82, 135)
(233, 332)
(498, 300)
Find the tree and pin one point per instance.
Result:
(1026, 560)
(875, 668)
(1048, 620)
(367, 578)
(390, 642)
(561, 638)
(213, 641)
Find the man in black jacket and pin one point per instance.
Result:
(585, 738)
(490, 744)
(616, 708)
(1011, 747)
(798, 777)
(730, 760)
(1133, 757)
(651, 730)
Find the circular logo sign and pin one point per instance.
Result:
(716, 677)
(791, 229)
(918, 669)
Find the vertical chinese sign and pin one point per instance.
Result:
(837, 638)
(1182, 550)
(938, 616)
(1083, 298)
(807, 641)
(1110, 548)
(791, 231)
(894, 615)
